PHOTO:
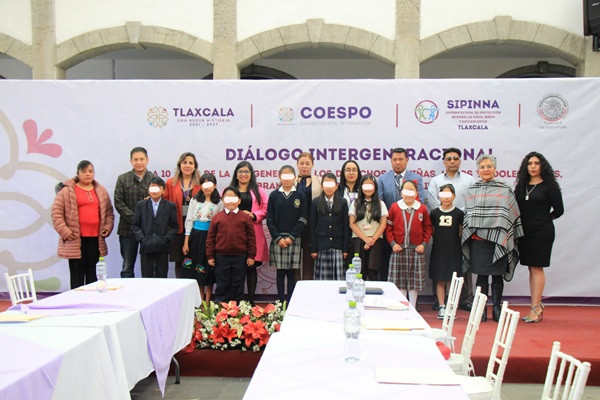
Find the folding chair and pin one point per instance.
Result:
(461, 362)
(490, 386)
(21, 287)
(445, 333)
(573, 384)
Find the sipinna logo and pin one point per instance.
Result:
(426, 112)
(552, 108)
(157, 117)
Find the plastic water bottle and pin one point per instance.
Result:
(358, 289)
(350, 277)
(352, 330)
(101, 272)
(357, 263)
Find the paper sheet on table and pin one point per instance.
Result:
(389, 324)
(385, 303)
(18, 317)
(92, 288)
(415, 376)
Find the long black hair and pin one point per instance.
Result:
(252, 185)
(361, 205)
(322, 201)
(546, 173)
(214, 196)
(343, 184)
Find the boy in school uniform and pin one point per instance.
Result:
(154, 226)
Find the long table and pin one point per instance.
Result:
(143, 323)
(305, 359)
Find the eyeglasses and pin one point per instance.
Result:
(243, 172)
(454, 158)
(351, 170)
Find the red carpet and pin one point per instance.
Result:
(576, 327)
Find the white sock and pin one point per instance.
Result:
(412, 297)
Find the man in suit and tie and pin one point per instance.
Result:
(154, 226)
(389, 191)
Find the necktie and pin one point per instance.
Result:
(329, 205)
(154, 207)
(398, 187)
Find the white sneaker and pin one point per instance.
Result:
(442, 312)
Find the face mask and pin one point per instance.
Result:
(154, 189)
(445, 195)
(329, 184)
(408, 192)
(368, 186)
(208, 185)
(230, 199)
(287, 177)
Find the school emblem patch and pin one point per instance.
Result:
(297, 203)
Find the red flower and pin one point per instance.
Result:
(255, 331)
(258, 311)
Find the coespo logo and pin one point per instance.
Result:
(157, 116)
(332, 112)
(552, 108)
(426, 112)
(286, 114)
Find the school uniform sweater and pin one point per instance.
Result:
(231, 234)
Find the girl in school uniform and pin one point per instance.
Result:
(368, 220)
(202, 208)
(286, 219)
(446, 254)
(408, 231)
(330, 234)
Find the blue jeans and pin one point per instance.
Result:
(129, 250)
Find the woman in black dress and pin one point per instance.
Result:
(540, 202)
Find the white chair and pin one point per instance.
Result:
(445, 333)
(574, 383)
(21, 287)
(490, 386)
(461, 362)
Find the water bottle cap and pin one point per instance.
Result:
(101, 259)
(358, 276)
(352, 304)
(351, 266)
(355, 254)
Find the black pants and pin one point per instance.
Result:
(83, 270)
(154, 265)
(230, 272)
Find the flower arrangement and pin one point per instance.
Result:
(226, 326)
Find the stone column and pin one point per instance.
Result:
(43, 46)
(408, 39)
(591, 65)
(225, 40)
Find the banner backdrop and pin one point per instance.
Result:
(47, 127)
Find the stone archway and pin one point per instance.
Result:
(314, 33)
(15, 48)
(129, 36)
(503, 29)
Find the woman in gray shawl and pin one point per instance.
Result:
(491, 226)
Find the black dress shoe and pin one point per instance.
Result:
(466, 306)
(436, 306)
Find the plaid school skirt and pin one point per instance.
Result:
(407, 270)
(288, 258)
(330, 265)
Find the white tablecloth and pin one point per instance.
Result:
(125, 318)
(306, 359)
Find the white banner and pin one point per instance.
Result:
(47, 127)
